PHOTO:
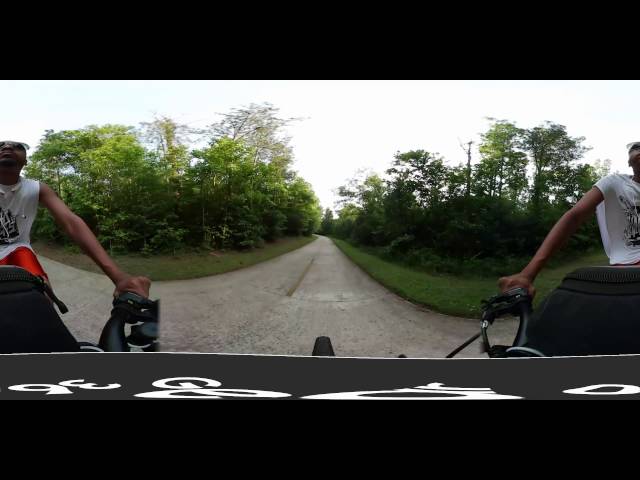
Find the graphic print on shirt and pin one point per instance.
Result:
(632, 231)
(8, 227)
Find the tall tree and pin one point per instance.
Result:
(326, 227)
(549, 147)
(503, 167)
(425, 172)
(259, 127)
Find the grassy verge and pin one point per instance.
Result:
(178, 267)
(453, 295)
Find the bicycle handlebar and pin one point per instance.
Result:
(130, 308)
(516, 301)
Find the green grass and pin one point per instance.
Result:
(177, 267)
(453, 295)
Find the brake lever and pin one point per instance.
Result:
(133, 299)
(509, 294)
(504, 303)
(136, 308)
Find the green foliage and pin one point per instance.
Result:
(166, 239)
(144, 190)
(327, 224)
(422, 216)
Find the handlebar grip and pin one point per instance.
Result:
(135, 308)
(525, 312)
(113, 338)
(130, 308)
(133, 299)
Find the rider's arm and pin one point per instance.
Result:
(82, 235)
(557, 237)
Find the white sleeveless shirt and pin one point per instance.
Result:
(18, 209)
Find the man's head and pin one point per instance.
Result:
(13, 155)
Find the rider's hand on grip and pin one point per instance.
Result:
(138, 285)
(517, 280)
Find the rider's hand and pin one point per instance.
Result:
(139, 285)
(517, 280)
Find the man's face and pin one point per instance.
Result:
(12, 157)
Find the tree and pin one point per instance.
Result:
(326, 227)
(602, 167)
(259, 128)
(502, 168)
(107, 178)
(468, 168)
(425, 172)
(220, 181)
(302, 209)
(549, 147)
(170, 142)
(347, 216)
(142, 190)
(400, 206)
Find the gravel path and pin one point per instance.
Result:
(279, 307)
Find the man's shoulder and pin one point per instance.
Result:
(614, 179)
(32, 186)
(619, 176)
(29, 181)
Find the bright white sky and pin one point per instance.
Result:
(349, 125)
